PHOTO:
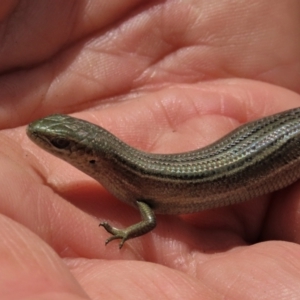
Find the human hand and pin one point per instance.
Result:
(165, 78)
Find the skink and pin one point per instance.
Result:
(255, 159)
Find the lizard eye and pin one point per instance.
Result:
(60, 143)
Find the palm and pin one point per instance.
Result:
(155, 70)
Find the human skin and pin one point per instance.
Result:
(165, 77)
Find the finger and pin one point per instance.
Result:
(145, 52)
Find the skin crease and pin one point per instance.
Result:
(164, 76)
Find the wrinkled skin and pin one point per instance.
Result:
(164, 76)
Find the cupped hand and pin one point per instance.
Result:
(165, 77)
